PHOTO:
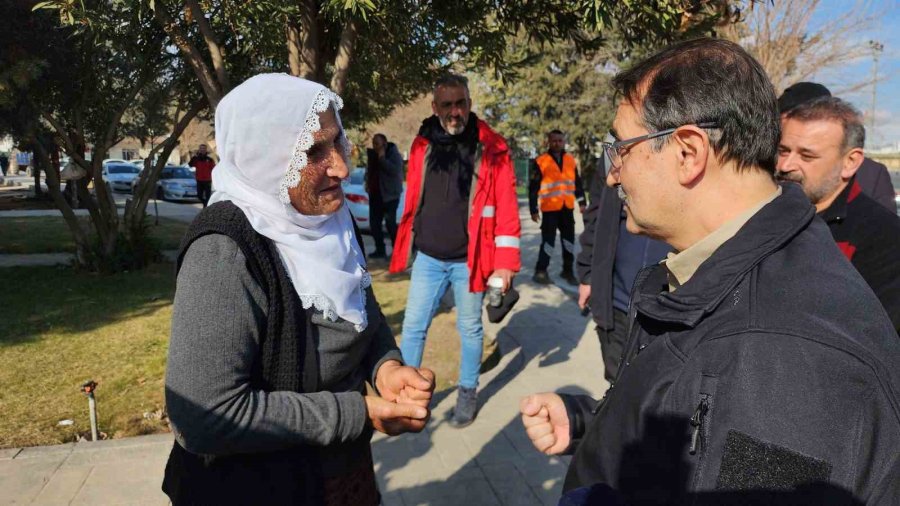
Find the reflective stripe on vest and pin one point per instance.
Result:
(488, 211)
(557, 183)
(506, 241)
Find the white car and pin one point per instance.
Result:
(176, 182)
(358, 199)
(119, 177)
(114, 160)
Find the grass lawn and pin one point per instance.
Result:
(60, 327)
(49, 234)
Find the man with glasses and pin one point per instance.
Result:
(822, 149)
(759, 367)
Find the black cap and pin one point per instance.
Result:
(798, 93)
(496, 314)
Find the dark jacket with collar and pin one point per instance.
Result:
(596, 262)
(771, 377)
(386, 173)
(875, 181)
(869, 236)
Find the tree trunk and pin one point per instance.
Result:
(345, 54)
(36, 172)
(136, 208)
(293, 46)
(84, 256)
(311, 66)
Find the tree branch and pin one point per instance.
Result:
(345, 54)
(215, 50)
(191, 54)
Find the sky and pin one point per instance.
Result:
(887, 104)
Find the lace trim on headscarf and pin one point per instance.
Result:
(299, 159)
(321, 303)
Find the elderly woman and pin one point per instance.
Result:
(275, 328)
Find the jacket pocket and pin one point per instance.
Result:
(699, 423)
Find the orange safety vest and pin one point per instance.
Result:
(557, 185)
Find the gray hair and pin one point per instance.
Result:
(833, 109)
(451, 81)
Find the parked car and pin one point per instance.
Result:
(119, 177)
(114, 160)
(358, 199)
(176, 182)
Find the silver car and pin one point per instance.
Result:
(357, 199)
(176, 183)
(120, 177)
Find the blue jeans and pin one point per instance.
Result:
(430, 279)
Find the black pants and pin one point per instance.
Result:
(383, 212)
(204, 191)
(612, 344)
(551, 221)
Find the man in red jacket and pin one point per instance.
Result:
(203, 165)
(461, 215)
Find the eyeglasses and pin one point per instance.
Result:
(613, 150)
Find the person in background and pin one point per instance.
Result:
(462, 215)
(821, 148)
(554, 187)
(384, 184)
(607, 265)
(873, 178)
(203, 166)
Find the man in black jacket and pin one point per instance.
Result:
(384, 183)
(609, 261)
(760, 368)
(822, 149)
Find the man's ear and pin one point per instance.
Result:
(434, 108)
(693, 153)
(852, 161)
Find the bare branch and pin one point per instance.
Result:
(780, 37)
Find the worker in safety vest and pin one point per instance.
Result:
(554, 187)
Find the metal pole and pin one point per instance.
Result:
(92, 405)
(88, 389)
(877, 48)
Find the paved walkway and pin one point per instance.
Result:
(545, 345)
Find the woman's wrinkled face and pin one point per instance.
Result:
(319, 191)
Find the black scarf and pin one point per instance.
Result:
(452, 153)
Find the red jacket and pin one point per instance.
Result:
(494, 227)
(204, 167)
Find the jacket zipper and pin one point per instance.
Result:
(700, 425)
(697, 423)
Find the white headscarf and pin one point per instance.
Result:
(264, 128)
